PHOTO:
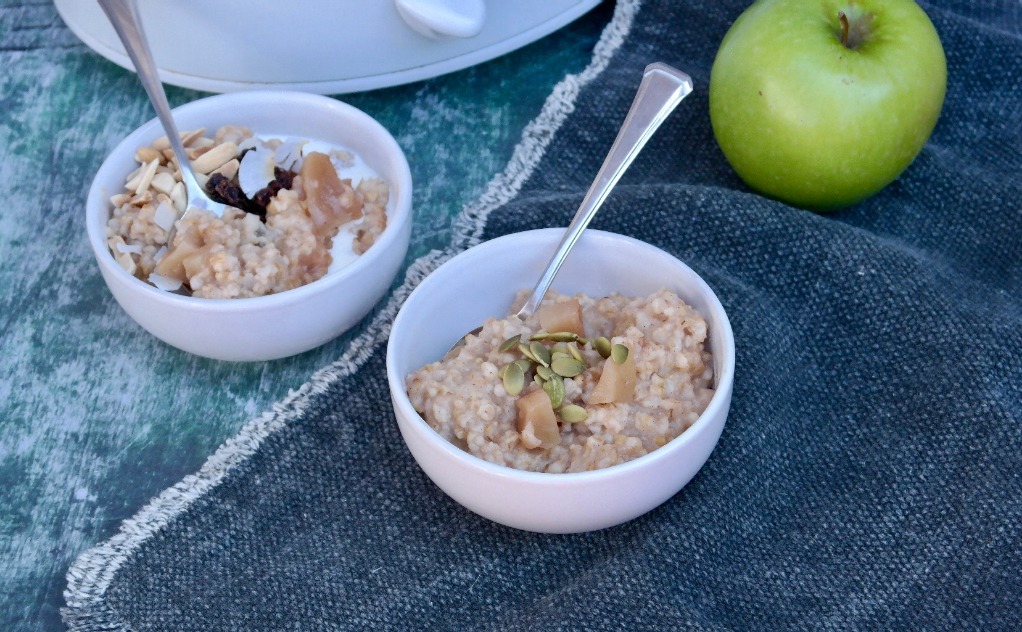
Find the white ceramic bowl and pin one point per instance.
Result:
(479, 283)
(278, 325)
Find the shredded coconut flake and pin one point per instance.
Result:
(256, 170)
(128, 249)
(165, 216)
(164, 283)
(289, 153)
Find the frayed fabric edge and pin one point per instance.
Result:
(92, 572)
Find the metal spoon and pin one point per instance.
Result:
(661, 90)
(123, 15)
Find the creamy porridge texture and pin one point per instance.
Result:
(584, 384)
(296, 214)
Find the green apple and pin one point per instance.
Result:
(822, 103)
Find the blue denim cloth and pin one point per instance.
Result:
(869, 473)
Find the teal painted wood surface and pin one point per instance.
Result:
(96, 416)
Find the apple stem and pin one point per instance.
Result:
(855, 28)
(843, 18)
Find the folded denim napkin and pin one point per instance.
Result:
(869, 473)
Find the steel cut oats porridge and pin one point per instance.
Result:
(298, 210)
(585, 383)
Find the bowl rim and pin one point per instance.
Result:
(399, 213)
(716, 408)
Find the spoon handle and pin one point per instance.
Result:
(123, 15)
(661, 90)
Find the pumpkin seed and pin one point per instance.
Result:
(576, 353)
(572, 414)
(556, 336)
(567, 366)
(527, 351)
(602, 346)
(554, 388)
(619, 353)
(544, 372)
(524, 364)
(514, 378)
(540, 353)
(509, 344)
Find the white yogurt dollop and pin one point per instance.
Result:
(267, 152)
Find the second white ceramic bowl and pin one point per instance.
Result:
(279, 325)
(481, 282)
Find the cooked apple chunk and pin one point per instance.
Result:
(330, 200)
(563, 316)
(180, 256)
(617, 383)
(537, 422)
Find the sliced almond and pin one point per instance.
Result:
(163, 182)
(163, 143)
(229, 169)
(188, 139)
(147, 154)
(141, 181)
(120, 199)
(214, 158)
(178, 197)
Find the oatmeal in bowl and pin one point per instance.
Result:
(590, 413)
(585, 383)
(296, 210)
(319, 229)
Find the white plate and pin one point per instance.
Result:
(324, 46)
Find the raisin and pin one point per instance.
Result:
(228, 192)
(282, 179)
(223, 190)
(262, 197)
(285, 177)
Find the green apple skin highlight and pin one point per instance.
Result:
(805, 119)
